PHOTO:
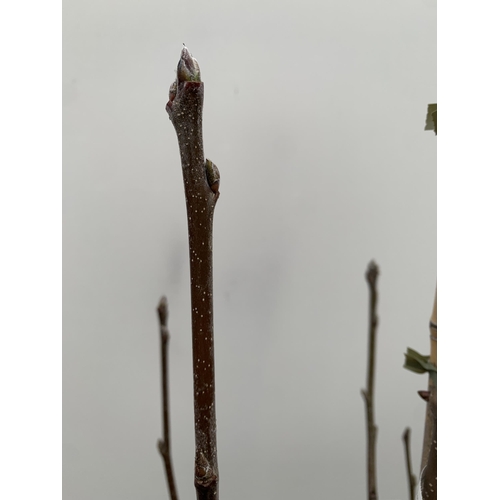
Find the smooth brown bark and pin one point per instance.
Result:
(185, 109)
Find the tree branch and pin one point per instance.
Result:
(371, 277)
(428, 479)
(164, 446)
(201, 186)
(412, 480)
(432, 359)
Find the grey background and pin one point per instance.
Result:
(314, 113)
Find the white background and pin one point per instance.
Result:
(314, 113)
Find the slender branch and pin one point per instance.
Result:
(201, 186)
(428, 479)
(428, 476)
(412, 480)
(432, 359)
(164, 445)
(368, 394)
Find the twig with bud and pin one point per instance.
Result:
(412, 480)
(371, 429)
(201, 186)
(164, 445)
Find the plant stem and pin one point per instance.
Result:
(412, 480)
(368, 394)
(433, 359)
(185, 108)
(428, 480)
(164, 446)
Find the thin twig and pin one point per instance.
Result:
(432, 359)
(368, 394)
(201, 186)
(412, 480)
(428, 480)
(164, 445)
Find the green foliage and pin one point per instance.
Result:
(418, 363)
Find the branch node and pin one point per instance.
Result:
(203, 472)
(425, 395)
(213, 177)
(160, 444)
(372, 274)
(163, 311)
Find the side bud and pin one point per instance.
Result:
(172, 91)
(213, 176)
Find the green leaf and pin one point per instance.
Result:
(418, 363)
(431, 118)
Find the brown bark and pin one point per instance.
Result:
(428, 480)
(185, 108)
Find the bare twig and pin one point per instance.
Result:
(412, 480)
(164, 445)
(429, 424)
(428, 475)
(201, 186)
(368, 394)
(428, 479)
